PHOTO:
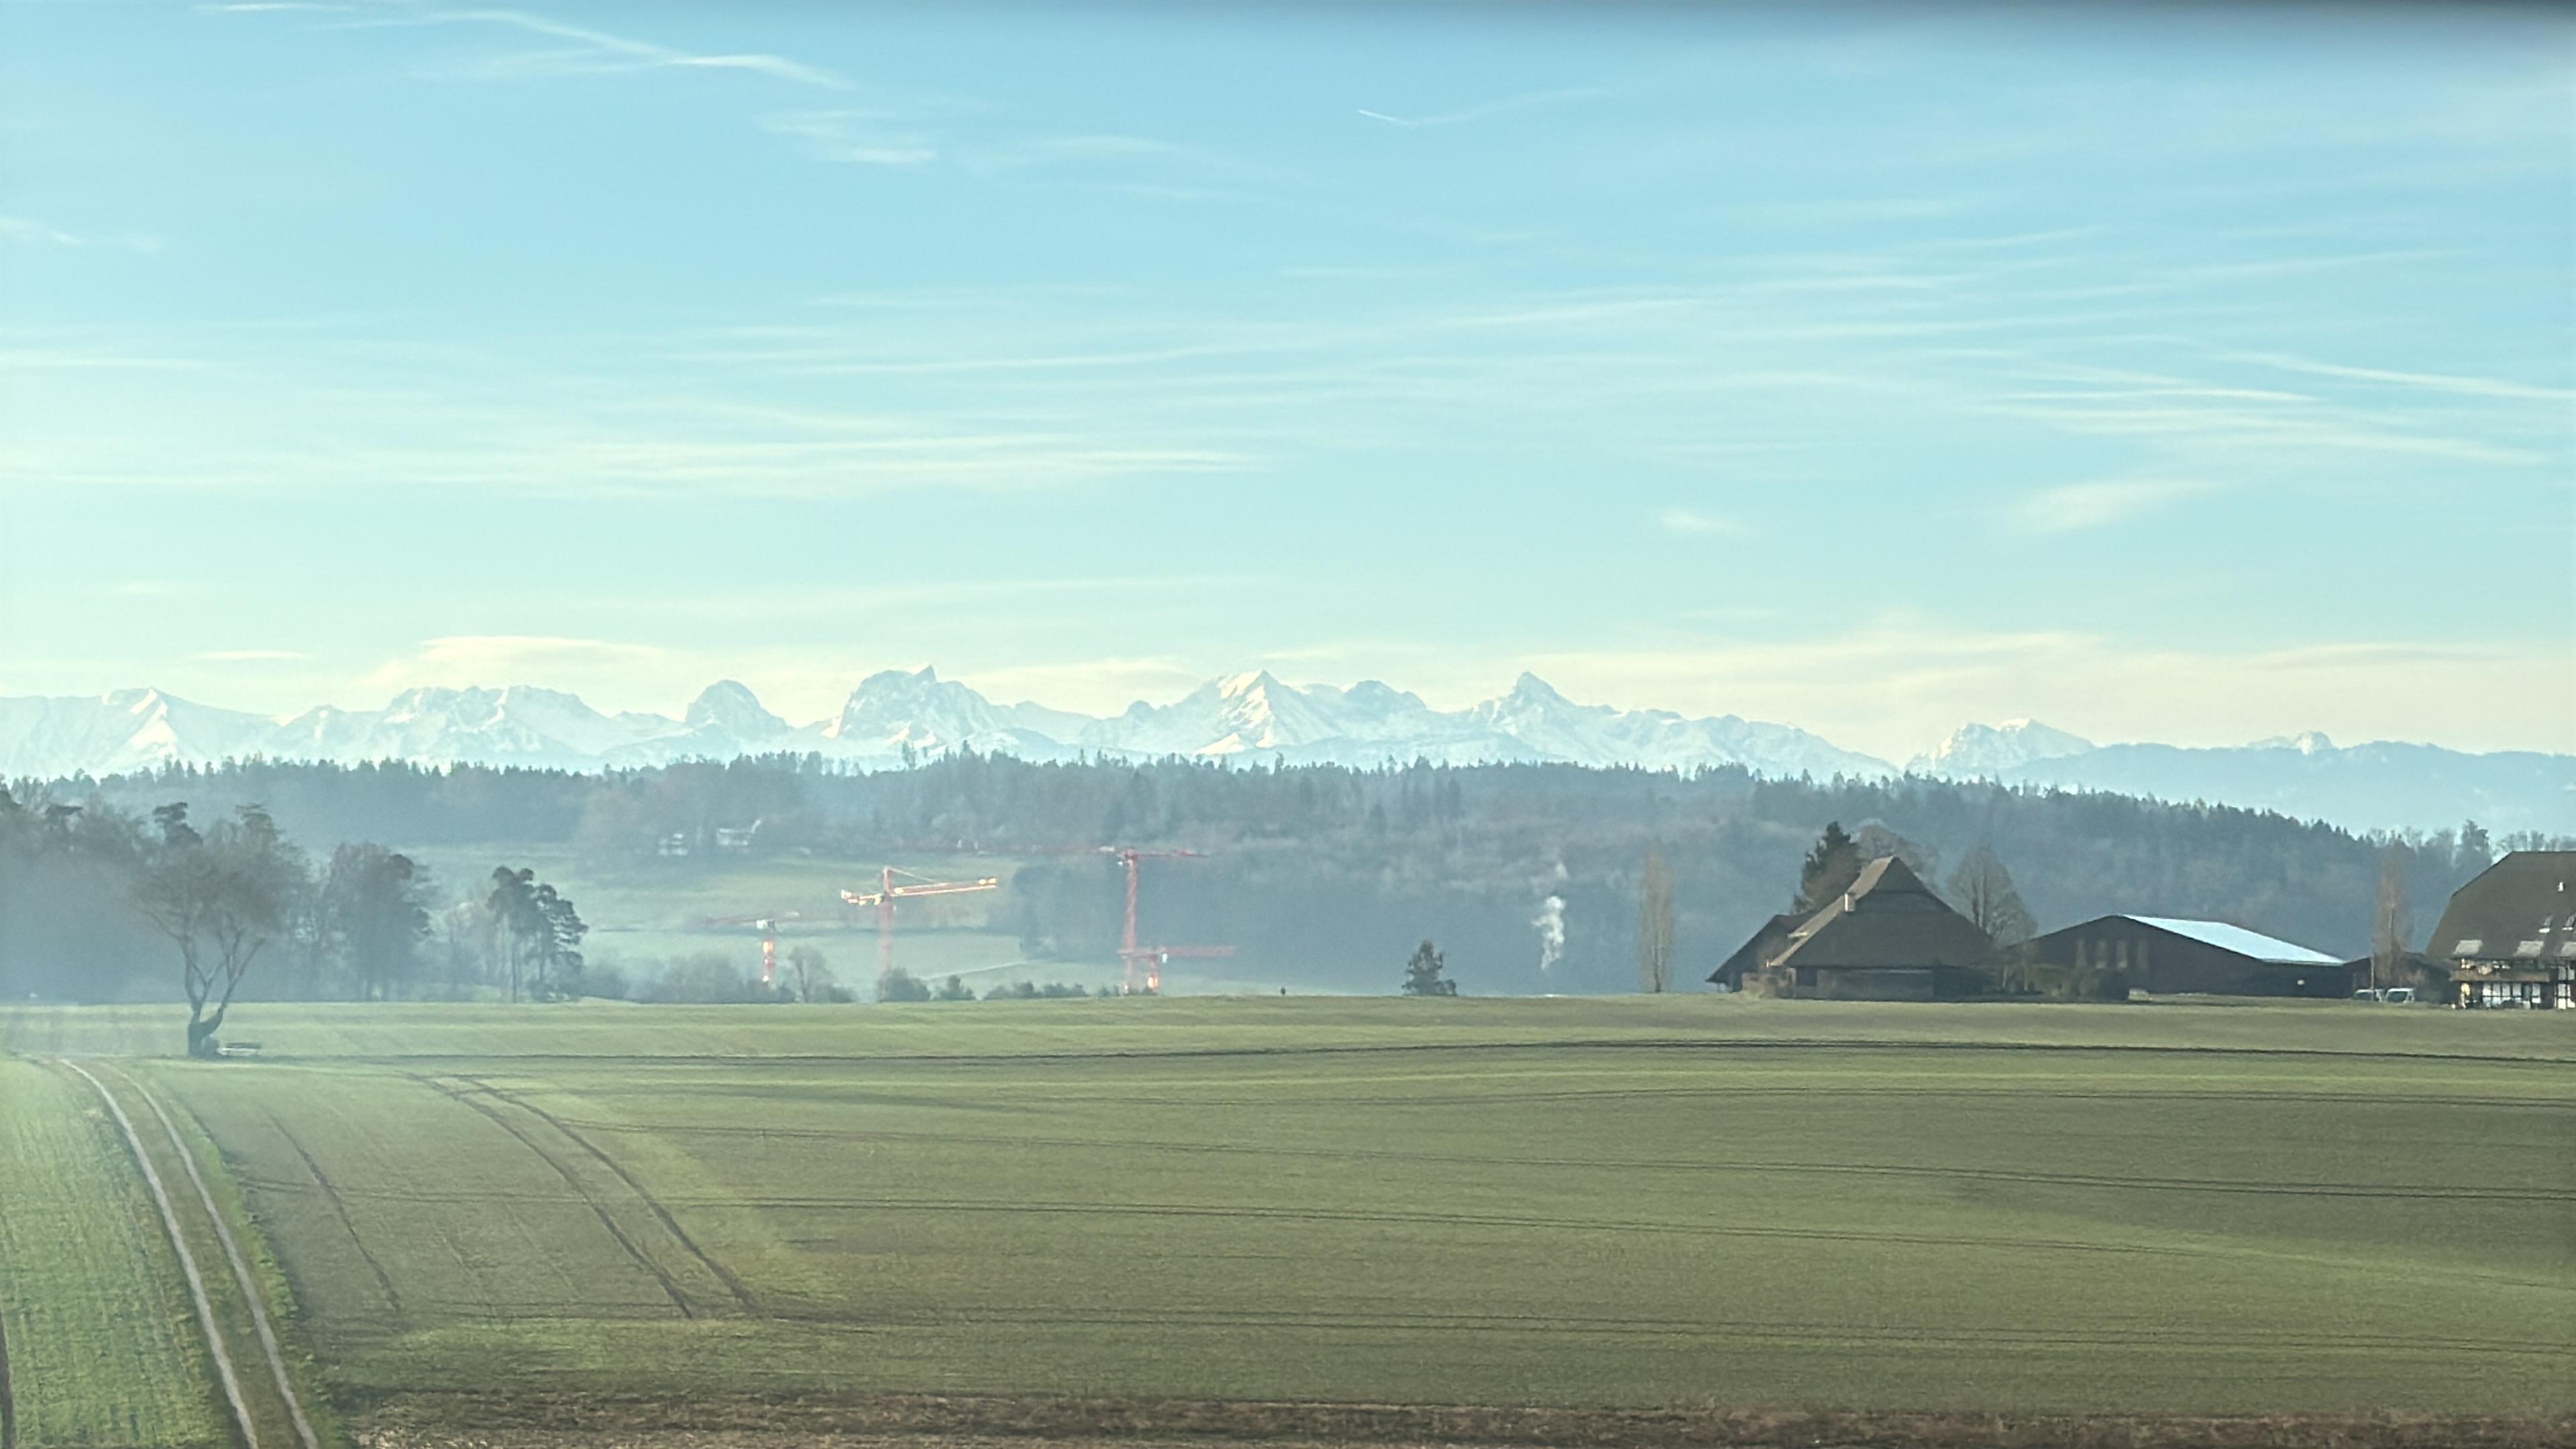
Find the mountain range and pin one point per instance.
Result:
(1256, 717)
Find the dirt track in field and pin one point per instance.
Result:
(929, 1422)
(8, 1400)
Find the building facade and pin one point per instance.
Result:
(2508, 938)
(2173, 955)
(1886, 938)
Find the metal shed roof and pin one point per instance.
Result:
(2240, 940)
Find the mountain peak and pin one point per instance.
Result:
(730, 706)
(1978, 749)
(1532, 689)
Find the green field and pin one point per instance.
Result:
(2297, 1209)
(102, 1349)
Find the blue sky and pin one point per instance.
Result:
(2186, 373)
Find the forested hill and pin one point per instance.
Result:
(1328, 875)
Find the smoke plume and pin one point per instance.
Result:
(1551, 931)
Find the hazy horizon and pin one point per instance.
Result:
(2188, 375)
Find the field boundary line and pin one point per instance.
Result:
(187, 1259)
(241, 1269)
(1712, 1043)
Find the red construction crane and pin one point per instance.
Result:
(887, 893)
(768, 925)
(1151, 959)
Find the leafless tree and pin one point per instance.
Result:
(809, 974)
(1655, 925)
(1982, 890)
(2389, 921)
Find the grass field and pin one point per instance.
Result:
(102, 1349)
(2297, 1209)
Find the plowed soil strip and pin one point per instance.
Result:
(187, 1260)
(241, 1270)
(470, 1421)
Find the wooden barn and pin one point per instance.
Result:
(2508, 938)
(1887, 938)
(2166, 954)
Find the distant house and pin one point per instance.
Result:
(1887, 938)
(2165, 954)
(2508, 938)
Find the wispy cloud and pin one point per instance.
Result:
(1501, 106)
(2429, 381)
(28, 232)
(249, 656)
(2079, 506)
(21, 229)
(598, 52)
(487, 659)
(855, 137)
(1691, 520)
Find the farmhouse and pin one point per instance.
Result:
(2165, 954)
(2508, 938)
(1887, 938)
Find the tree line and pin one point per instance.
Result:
(1533, 877)
(98, 903)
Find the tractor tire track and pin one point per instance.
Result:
(224, 1374)
(660, 1275)
(340, 1210)
(670, 1224)
(251, 1295)
(8, 1399)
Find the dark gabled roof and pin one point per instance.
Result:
(1889, 918)
(2522, 908)
(1761, 946)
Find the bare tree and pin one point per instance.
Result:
(809, 974)
(1655, 925)
(2390, 925)
(222, 897)
(1982, 890)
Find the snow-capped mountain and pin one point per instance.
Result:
(1977, 751)
(129, 729)
(1556, 728)
(1257, 716)
(892, 709)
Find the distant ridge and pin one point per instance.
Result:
(897, 714)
